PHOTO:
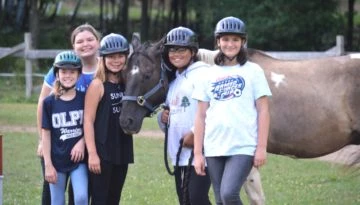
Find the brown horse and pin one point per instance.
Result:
(315, 108)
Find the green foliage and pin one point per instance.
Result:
(277, 24)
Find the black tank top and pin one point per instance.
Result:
(112, 144)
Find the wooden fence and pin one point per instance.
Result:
(24, 50)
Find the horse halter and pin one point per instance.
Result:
(142, 100)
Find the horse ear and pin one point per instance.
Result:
(160, 44)
(135, 41)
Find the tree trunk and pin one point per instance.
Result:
(34, 22)
(1, 14)
(101, 16)
(78, 4)
(144, 20)
(183, 12)
(34, 27)
(55, 11)
(174, 11)
(350, 27)
(20, 14)
(125, 17)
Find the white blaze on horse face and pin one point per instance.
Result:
(277, 79)
(135, 69)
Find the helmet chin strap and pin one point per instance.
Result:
(66, 89)
(230, 59)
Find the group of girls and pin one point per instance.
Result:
(224, 123)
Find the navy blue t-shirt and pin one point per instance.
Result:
(64, 119)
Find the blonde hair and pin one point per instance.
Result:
(84, 27)
(100, 70)
(57, 89)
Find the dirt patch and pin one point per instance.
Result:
(17, 128)
(33, 129)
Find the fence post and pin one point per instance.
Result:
(28, 66)
(340, 45)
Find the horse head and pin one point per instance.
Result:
(146, 84)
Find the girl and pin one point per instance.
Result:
(110, 149)
(180, 51)
(62, 128)
(85, 41)
(232, 119)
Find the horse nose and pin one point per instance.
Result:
(127, 122)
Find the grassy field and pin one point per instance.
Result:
(285, 181)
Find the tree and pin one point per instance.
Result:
(144, 20)
(350, 25)
(276, 24)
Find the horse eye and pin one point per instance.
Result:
(147, 76)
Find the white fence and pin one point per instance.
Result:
(24, 50)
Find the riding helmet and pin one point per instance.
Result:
(113, 43)
(230, 25)
(182, 36)
(68, 60)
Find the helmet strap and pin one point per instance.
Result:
(230, 59)
(65, 89)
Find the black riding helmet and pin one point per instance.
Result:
(113, 43)
(183, 37)
(230, 25)
(68, 60)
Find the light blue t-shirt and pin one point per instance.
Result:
(81, 85)
(231, 119)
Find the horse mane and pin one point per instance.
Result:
(148, 45)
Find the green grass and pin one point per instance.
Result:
(285, 181)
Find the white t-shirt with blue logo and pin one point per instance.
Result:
(81, 85)
(231, 119)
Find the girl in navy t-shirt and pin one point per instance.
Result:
(62, 128)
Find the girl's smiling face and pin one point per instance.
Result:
(68, 77)
(230, 44)
(179, 56)
(86, 44)
(115, 62)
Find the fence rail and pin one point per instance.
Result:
(24, 50)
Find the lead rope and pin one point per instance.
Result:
(186, 181)
(165, 149)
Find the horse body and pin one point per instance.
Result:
(315, 107)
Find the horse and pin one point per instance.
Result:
(314, 110)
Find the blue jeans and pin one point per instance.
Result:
(228, 174)
(79, 180)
